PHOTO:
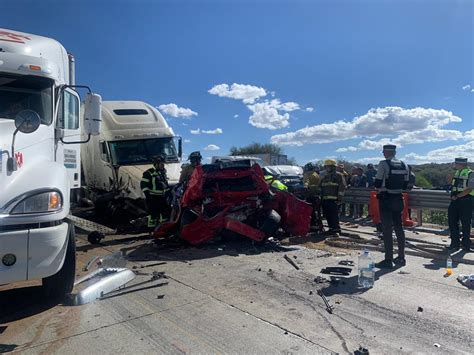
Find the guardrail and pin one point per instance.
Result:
(418, 199)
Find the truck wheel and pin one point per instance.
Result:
(95, 237)
(57, 286)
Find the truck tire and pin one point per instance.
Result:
(271, 224)
(57, 286)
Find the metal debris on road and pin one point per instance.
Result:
(346, 262)
(329, 308)
(287, 258)
(320, 280)
(361, 351)
(336, 270)
(108, 279)
(150, 265)
(90, 262)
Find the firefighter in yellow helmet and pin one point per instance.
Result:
(195, 159)
(332, 187)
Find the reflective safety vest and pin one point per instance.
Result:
(154, 182)
(332, 186)
(277, 184)
(459, 182)
(397, 178)
(311, 181)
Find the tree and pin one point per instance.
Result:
(256, 148)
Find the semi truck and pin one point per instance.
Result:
(40, 137)
(132, 133)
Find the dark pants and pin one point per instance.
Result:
(316, 219)
(331, 212)
(460, 210)
(391, 207)
(157, 207)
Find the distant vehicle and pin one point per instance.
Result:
(291, 176)
(133, 132)
(228, 158)
(40, 133)
(234, 196)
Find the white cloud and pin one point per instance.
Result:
(247, 93)
(346, 149)
(387, 121)
(309, 109)
(373, 160)
(174, 110)
(212, 147)
(266, 115)
(187, 141)
(236, 116)
(469, 135)
(203, 131)
(443, 155)
(466, 87)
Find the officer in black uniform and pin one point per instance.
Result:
(154, 185)
(391, 179)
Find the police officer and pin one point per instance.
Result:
(195, 159)
(460, 208)
(391, 179)
(154, 185)
(311, 183)
(332, 186)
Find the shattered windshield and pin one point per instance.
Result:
(142, 151)
(18, 93)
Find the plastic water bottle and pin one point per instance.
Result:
(449, 265)
(366, 270)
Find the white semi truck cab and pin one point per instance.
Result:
(40, 136)
(132, 133)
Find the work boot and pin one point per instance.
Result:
(384, 264)
(454, 247)
(399, 261)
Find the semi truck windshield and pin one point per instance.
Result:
(18, 93)
(142, 151)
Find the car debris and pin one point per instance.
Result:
(329, 307)
(233, 196)
(466, 280)
(346, 262)
(337, 270)
(287, 258)
(101, 282)
(90, 262)
(149, 265)
(361, 351)
(320, 280)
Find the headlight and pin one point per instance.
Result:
(43, 202)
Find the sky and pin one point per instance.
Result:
(335, 78)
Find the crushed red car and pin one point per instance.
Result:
(234, 196)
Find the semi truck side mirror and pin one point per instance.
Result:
(26, 121)
(92, 114)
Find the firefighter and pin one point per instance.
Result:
(332, 186)
(460, 207)
(195, 159)
(311, 182)
(392, 178)
(154, 185)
